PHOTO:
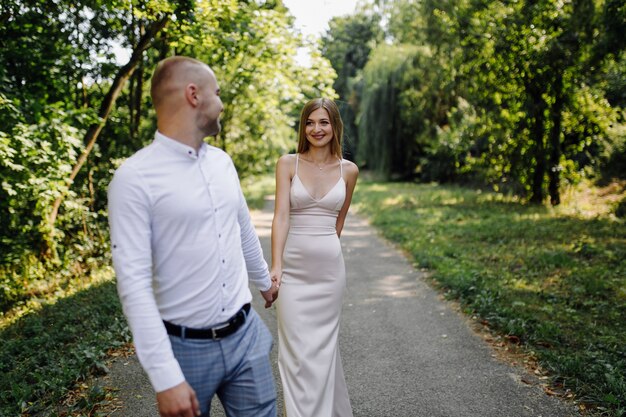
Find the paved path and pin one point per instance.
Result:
(406, 353)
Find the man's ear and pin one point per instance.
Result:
(191, 94)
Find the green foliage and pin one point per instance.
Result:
(44, 353)
(552, 278)
(400, 110)
(35, 160)
(530, 99)
(406, 22)
(348, 44)
(48, 99)
(407, 94)
(377, 125)
(524, 96)
(257, 188)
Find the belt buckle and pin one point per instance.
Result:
(215, 329)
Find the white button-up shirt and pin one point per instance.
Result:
(183, 246)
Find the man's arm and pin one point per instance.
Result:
(256, 266)
(129, 220)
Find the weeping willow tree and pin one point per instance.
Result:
(392, 126)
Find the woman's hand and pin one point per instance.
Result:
(276, 275)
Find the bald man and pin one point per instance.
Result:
(184, 251)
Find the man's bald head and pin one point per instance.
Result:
(172, 75)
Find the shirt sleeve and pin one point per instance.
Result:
(258, 272)
(129, 209)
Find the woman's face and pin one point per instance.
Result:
(318, 130)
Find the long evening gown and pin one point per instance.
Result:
(309, 305)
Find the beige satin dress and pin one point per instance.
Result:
(309, 306)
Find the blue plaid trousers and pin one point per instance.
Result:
(236, 368)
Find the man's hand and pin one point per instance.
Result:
(270, 295)
(178, 401)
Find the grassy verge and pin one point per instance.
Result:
(256, 189)
(46, 352)
(553, 278)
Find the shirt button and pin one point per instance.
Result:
(223, 285)
(219, 235)
(223, 261)
(216, 210)
(222, 309)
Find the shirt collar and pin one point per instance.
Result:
(178, 147)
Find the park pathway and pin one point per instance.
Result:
(406, 352)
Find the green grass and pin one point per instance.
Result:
(46, 352)
(555, 278)
(256, 189)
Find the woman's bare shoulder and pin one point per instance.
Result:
(350, 167)
(286, 163)
(287, 158)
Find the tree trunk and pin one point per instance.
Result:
(136, 94)
(136, 100)
(107, 105)
(556, 117)
(131, 107)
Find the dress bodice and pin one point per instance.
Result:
(308, 212)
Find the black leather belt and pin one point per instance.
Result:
(230, 327)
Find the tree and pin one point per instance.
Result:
(347, 45)
(108, 102)
(540, 51)
(70, 86)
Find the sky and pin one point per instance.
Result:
(312, 16)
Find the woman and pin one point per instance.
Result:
(313, 193)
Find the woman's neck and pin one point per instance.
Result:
(319, 156)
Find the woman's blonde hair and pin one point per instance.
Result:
(335, 122)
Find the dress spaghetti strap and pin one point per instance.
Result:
(297, 159)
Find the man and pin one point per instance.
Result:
(183, 250)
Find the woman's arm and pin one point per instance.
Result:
(280, 223)
(351, 174)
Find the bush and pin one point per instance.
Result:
(46, 352)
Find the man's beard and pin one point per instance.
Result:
(212, 128)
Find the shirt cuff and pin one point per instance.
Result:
(265, 286)
(166, 376)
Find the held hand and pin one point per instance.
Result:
(276, 275)
(270, 295)
(178, 401)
